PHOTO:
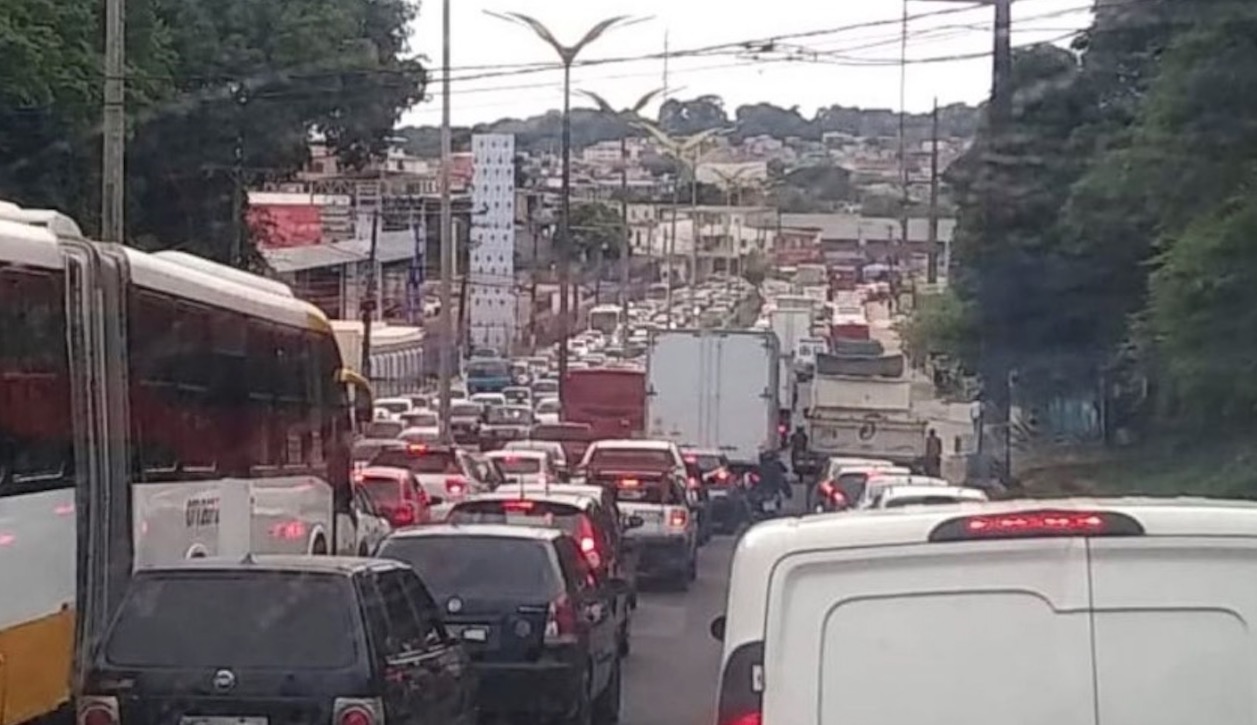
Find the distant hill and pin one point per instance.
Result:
(539, 133)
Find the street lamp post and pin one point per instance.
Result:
(687, 151)
(567, 56)
(732, 182)
(632, 112)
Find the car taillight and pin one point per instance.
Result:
(403, 515)
(560, 622)
(628, 483)
(517, 506)
(692, 482)
(456, 486)
(97, 710)
(749, 718)
(678, 518)
(1035, 524)
(289, 530)
(355, 716)
(722, 476)
(831, 492)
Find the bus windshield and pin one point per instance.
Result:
(488, 369)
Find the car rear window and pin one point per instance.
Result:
(366, 450)
(852, 484)
(478, 566)
(382, 491)
(439, 461)
(518, 464)
(466, 410)
(922, 501)
(528, 512)
(629, 460)
(383, 429)
(508, 416)
(235, 619)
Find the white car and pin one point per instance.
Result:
(1079, 611)
(547, 410)
(916, 495)
(395, 407)
(421, 425)
(554, 449)
(530, 468)
(372, 526)
(489, 400)
(883, 479)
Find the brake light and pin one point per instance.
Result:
(416, 448)
(403, 515)
(1041, 523)
(629, 483)
(524, 505)
(750, 718)
(359, 477)
(587, 544)
(456, 486)
(690, 459)
(692, 482)
(722, 476)
(678, 518)
(781, 429)
(356, 716)
(560, 622)
(289, 530)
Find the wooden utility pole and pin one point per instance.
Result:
(368, 301)
(931, 274)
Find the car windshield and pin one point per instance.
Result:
(425, 461)
(365, 450)
(488, 369)
(383, 491)
(629, 459)
(383, 429)
(516, 396)
(466, 410)
(503, 415)
(470, 566)
(528, 512)
(509, 464)
(247, 620)
(420, 420)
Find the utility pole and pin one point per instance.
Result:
(903, 128)
(624, 220)
(672, 247)
(533, 203)
(113, 153)
(368, 301)
(565, 243)
(931, 274)
(447, 235)
(693, 276)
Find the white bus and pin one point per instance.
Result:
(606, 318)
(150, 410)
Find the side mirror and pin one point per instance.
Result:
(633, 521)
(717, 628)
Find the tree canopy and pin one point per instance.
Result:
(1110, 229)
(206, 80)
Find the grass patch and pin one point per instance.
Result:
(1166, 467)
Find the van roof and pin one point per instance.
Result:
(763, 546)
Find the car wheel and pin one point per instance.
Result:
(692, 570)
(607, 707)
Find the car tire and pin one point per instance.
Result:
(624, 647)
(607, 707)
(691, 572)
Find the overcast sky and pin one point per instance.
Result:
(828, 52)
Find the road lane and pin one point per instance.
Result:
(670, 677)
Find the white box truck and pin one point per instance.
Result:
(714, 389)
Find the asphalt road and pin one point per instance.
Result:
(670, 677)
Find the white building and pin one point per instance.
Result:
(491, 270)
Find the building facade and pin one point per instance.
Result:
(491, 295)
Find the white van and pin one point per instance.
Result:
(1069, 612)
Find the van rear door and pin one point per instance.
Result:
(921, 633)
(1174, 629)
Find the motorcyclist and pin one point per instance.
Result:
(798, 443)
(772, 475)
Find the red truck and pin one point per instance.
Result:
(611, 401)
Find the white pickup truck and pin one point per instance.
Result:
(666, 544)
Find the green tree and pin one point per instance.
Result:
(597, 232)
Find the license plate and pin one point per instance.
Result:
(197, 720)
(476, 634)
(717, 493)
(770, 505)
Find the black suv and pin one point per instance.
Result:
(535, 617)
(279, 640)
